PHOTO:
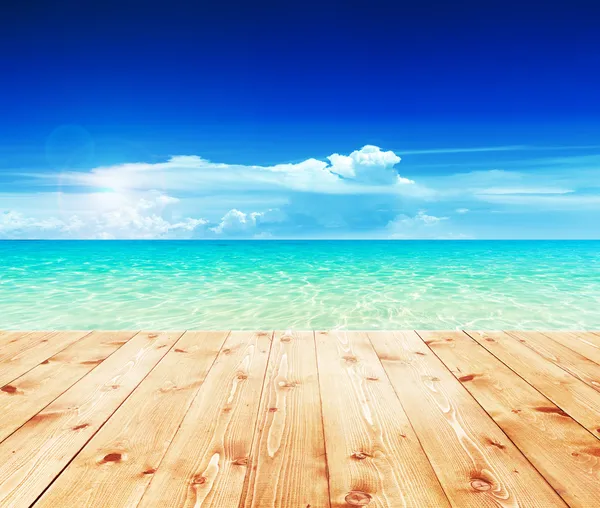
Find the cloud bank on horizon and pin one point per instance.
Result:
(365, 194)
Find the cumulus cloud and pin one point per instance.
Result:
(462, 211)
(143, 218)
(369, 165)
(368, 170)
(13, 223)
(420, 225)
(236, 223)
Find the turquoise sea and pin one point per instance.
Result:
(299, 284)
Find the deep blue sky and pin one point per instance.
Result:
(274, 82)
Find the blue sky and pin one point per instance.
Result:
(299, 120)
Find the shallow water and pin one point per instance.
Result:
(299, 284)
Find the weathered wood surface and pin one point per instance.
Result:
(300, 419)
(32, 457)
(563, 451)
(373, 453)
(27, 395)
(566, 358)
(140, 432)
(585, 343)
(27, 352)
(573, 396)
(209, 457)
(474, 460)
(288, 461)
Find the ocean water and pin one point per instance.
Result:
(299, 284)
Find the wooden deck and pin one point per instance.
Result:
(300, 419)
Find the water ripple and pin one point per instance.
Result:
(302, 285)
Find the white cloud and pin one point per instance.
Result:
(141, 218)
(421, 225)
(358, 194)
(369, 165)
(12, 222)
(235, 222)
(368, 170)
(144, 220)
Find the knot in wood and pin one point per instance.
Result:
(9, 389)
(152, 335)
(480, 484)
(358, 498)
(112, 457)
(286, 338)
(198, 480)
(242, 461)
(242, 376)
(360, 455)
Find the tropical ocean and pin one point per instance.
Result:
(299, 284)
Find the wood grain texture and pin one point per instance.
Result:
(334, 419)
(27, 395)
(565, 453)
(585, 343)
(35, 454)
(288, 455)
(24, 354)
(570, 394)
(477, 465)
(373, 454)
(208, 459)
(575, 364)
(8, 337)
(16, 342)
(140, 431)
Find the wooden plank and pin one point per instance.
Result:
(288, 455)
(478, 466)
(27, 395)
(9, 337)
(34, 455)
(18, 341)
(140, 431)
(575, 364)
(207, 461)
(22, 356)
(373, 454)
(565, 453)
(585, 343)
(570, 394)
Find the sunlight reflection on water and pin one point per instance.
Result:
(301, 285)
